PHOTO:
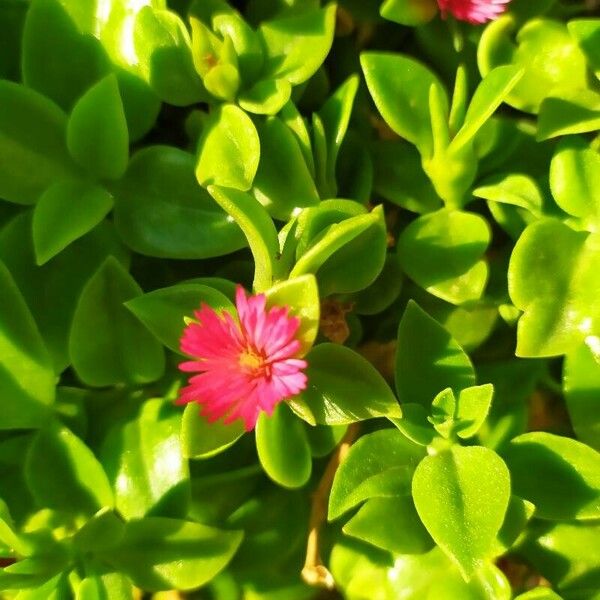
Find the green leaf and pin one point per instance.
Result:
(63, 473)
(26, 375)
(581, 382)
(552, 278)
(301, 295)
(346, 256)
(97, 135)
(472, 408)
(163, 554)
(51, 40)
(560, 64)
(400, 88)
(201, 439)
(575, 180)
(442, 252)
(391, 524)
(324, 439)
(428, 359)
(160, 210)
(33, 152)
(488, 96)
(358, 570)
(100, 37)
(229, 149)
(103, 531)
(514, 189)
(283, 448)
(544, 465)
(296, 46)
(335, 116)
(409, 12)
(568, 553)
(246, 43)
(539, 593)
(383, 292)
(258, 228)
(574, 112)
(399, 177)
(517, 517)
(12, 16)
(163, 311)
(343, 388)
(275, 522)
(461, 495)
(65, 211)
(415, 424)
(586, 32)
(143, 460)
(107, 343)
(161, 37)
(378, 465)
(62, 278)
(283, 183)
(266, 97)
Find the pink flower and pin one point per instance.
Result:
(473, 11)
(244, 367)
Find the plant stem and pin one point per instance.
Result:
(314, 571)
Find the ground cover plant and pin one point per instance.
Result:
(299, 299)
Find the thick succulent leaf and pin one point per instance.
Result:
(283, 183)
(462, 495)
(229, 149)
(409, 12)
(400, 88)
(66, 211)
(560, 65)
(163, 554)
(428, 359)
(378, 465)
(258, 228)
(143, 460)
(160, 210)
(296, 45)
(97, 135)
(63, 473)
(575, 180)
(26, 376)
(581, 382)
(543, 465)
(332, 398)
(302, 297)
(391, 524)
(107, 344)
(33, 152)
(164, 311)
(282, 447)
(442, 252)
(201, 439)
(552, 278)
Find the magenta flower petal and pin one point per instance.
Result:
(473, 11)
(242, 368)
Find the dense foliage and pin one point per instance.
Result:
(422, 193)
